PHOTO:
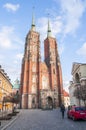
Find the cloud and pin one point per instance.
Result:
(82, 50)
(67, 21)
(72, 11)
(19, 56)
(6, 36)
(1, 57)
(12, 69)
(10, 45)
(42, 27)
(61, 48)
(55, 25)
(8, 39)
(13, 72)
(11, 7)
(66, 85)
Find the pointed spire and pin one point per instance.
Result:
(49, 29)
(33, 22)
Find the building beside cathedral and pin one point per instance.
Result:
(41, 83)
(66, 98)
(78, 82)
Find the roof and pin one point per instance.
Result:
(75, 66)
(16, 84)
(66, 94)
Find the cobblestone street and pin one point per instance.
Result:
(45, 120)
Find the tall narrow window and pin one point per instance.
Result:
(54, 71)
(34, 68)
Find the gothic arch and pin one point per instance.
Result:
(77, 79)
(49, 102)
(33, 102)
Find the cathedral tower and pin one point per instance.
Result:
(30, 68)
(41, 82)
(52, 60)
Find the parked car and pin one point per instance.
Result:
(76, 113)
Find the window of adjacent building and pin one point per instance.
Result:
(83, 83)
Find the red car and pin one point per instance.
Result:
(77, 113)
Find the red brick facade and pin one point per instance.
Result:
(41, 82)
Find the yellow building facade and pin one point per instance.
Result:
(5, 90)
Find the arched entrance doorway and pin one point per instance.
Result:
(49, 103)
(33, 103)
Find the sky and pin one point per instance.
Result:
(68, 26)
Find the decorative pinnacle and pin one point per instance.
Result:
(33, 21)
(49, 29)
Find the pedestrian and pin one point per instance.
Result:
(69, 107)
(62, 110)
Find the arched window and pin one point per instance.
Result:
(54, 71)
(33, 100)
(34, 58)
(34, 78)
(77, 79)
(33, 89)
(44, 82)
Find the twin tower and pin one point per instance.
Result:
(41, 82)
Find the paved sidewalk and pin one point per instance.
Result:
(6, 123)
(45, 120)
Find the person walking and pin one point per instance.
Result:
(62, 110)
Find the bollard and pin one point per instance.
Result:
(0, 123)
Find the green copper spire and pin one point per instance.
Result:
(49, 30)
(33, 23)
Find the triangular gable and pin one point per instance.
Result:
(74, 67)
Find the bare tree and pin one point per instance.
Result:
(83, 93)
(77, 94)
(13, 98)
(80, 94)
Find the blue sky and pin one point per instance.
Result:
(68, 25)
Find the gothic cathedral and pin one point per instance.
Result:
(41, 82)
